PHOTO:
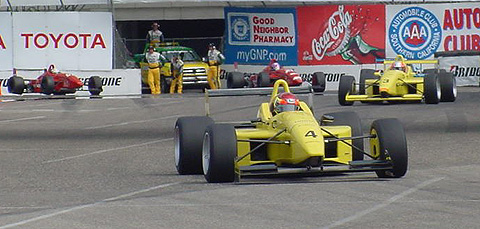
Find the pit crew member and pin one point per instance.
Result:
(215, 59)
(177, 82)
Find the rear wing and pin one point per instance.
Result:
(303, 89)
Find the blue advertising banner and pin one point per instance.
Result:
(255, 36)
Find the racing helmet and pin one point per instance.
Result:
(211, 45)
(276, 66)
(285, 101)
(398, 65)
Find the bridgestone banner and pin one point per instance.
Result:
(466, 69)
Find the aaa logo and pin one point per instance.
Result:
(415, 33)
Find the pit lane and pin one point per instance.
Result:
(108, 163)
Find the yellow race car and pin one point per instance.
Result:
(287, 138)
(398, 82)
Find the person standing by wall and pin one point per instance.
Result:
(177, 82)
(154, 60)
(155, 36)
(215, 59)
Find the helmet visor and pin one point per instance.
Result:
(286, 107)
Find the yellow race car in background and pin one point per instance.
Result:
(288, 142)
(398, 82)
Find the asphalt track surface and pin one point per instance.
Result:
(109, 163)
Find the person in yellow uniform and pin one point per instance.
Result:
(215, 59)
(177, 82)
(154, 60)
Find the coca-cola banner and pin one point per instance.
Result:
(418, 31)
(466, 69)
(5, 41)
(257, 35)
(340, 34)
(70, 40)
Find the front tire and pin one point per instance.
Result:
(389, 144)
(95, 85)
(47, 85)
(188, 140)
(345, 87)
(16, 85)
(318, 82)
(263, 79)
(235, 80)
(351, 119)
(448, 87)
(219, 151)
(432, 91)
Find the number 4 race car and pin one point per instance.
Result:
(399, 83)
(269, 75)
(288, 142)
(53, 82)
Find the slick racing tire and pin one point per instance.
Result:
(188, 140)
(219, 151)
(318, 82)
(95, 85)
(346, 86)
(47, 85)
(364, 75)
(389, 144)
(351, 119)
(263, 79)
(448, 86)
(235, 80)
(432, 91)
(16, 85)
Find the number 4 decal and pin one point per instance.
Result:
(311, 133)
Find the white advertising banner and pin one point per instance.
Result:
(418, 31)
(6, 41)
(72, 40)
(466, 69)
(332, 72)
(115, 82)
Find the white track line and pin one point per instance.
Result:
(107, 150)
(21, 119)
(23, 222)
(383, 204)
(132, 122)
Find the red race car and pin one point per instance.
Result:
(272, 73)
(53, 82)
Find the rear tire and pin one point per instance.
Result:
(95, 85)
(318, 82)
(263, 79)
(16, 85)
(448, 87)
(219, 151)
(390, 144)
(432, 91)
(188, 140)
(235, 80)
(364, 75)
(350, 118)
(47, 85)
(346, 86)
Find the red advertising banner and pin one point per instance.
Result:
(340, 34)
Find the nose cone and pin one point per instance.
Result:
(307, 138)
(387, 85)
